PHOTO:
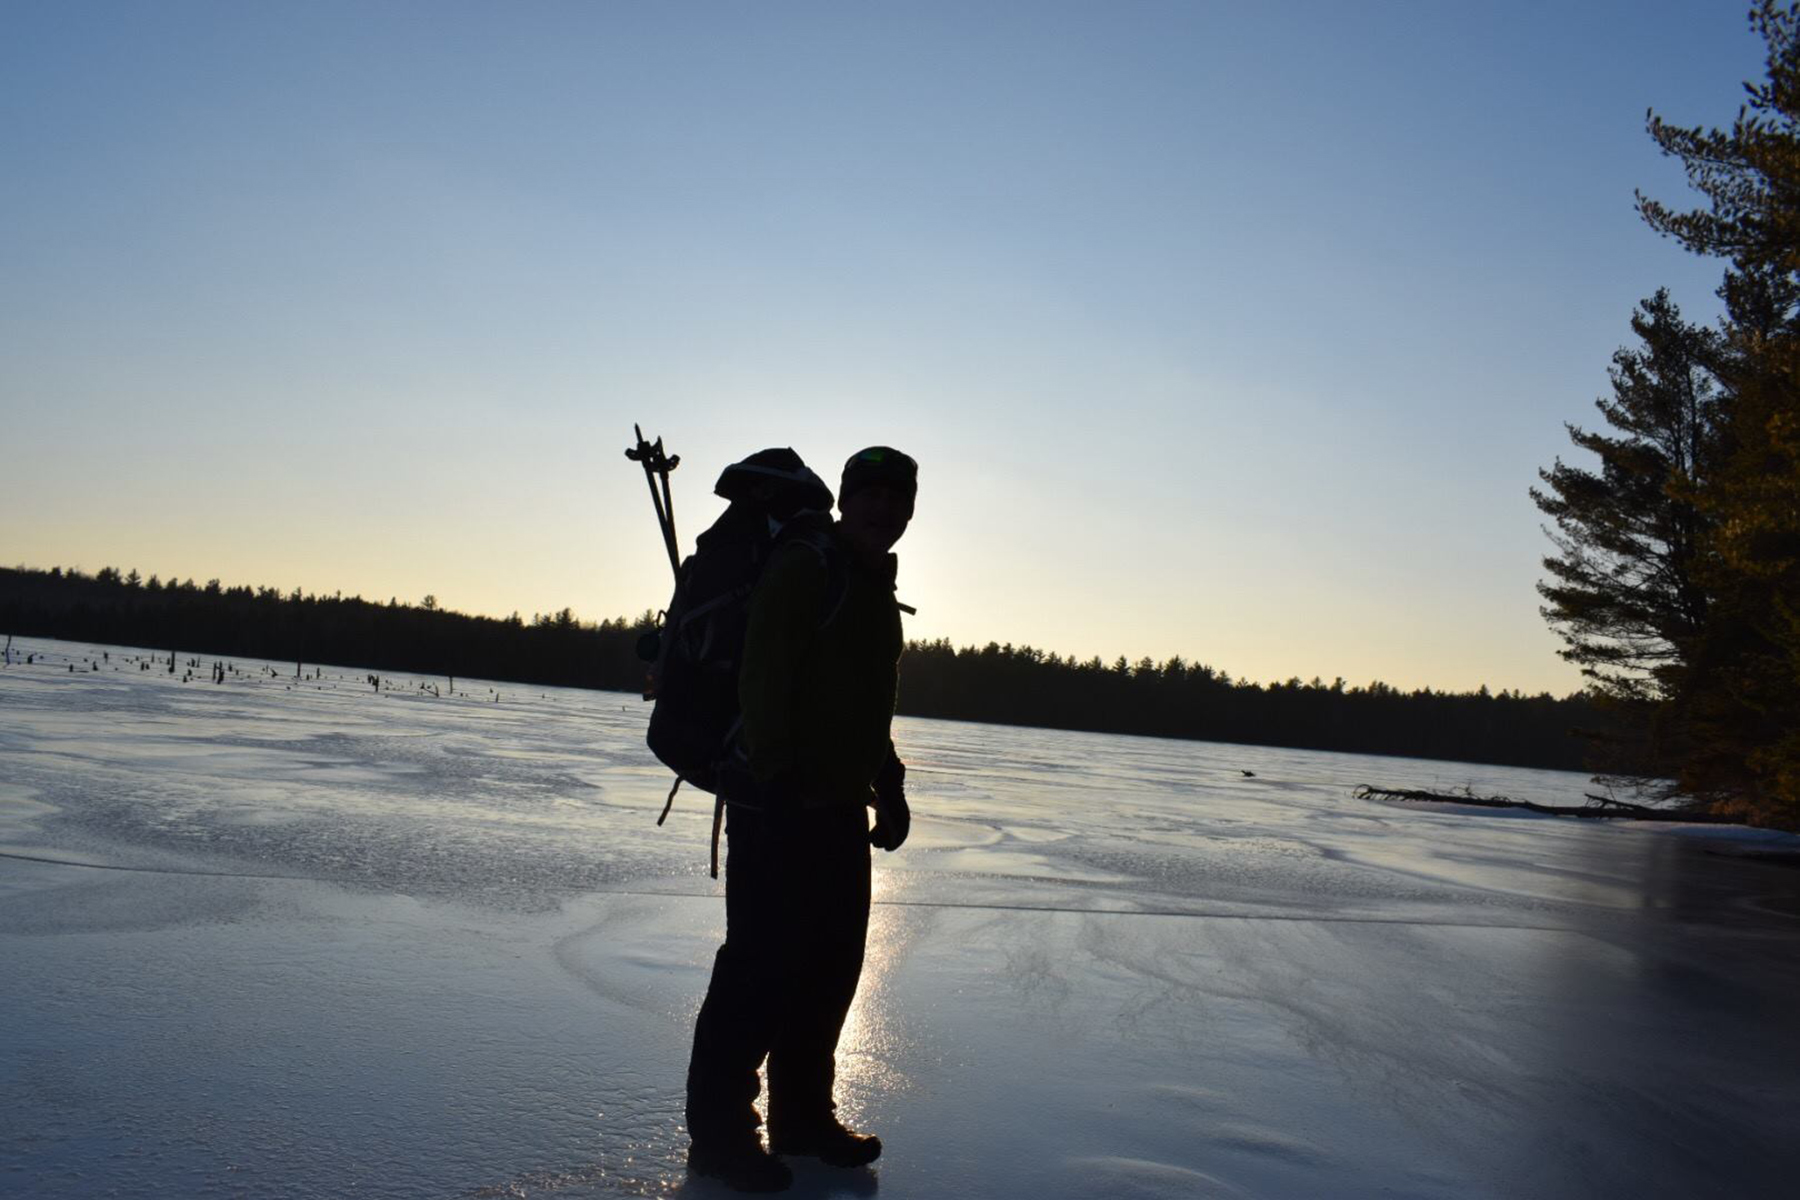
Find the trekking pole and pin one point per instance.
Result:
(657, 465)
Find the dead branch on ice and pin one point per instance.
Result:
(1597, 806)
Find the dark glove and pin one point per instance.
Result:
(893, 818)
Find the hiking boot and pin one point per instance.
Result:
(740, 1166)
(829, 1142)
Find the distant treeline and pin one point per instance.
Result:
(1020, 685)
(1000, 684)
(121, 608)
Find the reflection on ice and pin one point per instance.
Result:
(873, 1048)
(313, 941)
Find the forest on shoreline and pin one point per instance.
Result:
(1674, 576)
(1001, 684)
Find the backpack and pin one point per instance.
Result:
(698, 649)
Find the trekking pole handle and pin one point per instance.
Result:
(651, 455)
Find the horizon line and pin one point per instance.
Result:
(395, 601)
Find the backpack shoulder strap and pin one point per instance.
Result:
(818, 540)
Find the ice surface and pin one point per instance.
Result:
(296, 938)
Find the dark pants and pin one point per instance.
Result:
(796, 917)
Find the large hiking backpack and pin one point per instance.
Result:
(698, 650)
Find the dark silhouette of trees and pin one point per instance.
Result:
(1744, 711)
(999, 684)
(1678, 578)
(1025, 686)
(1624, 591)
(345, 631)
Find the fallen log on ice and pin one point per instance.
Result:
(1597, 806)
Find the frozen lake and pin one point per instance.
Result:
(298, 938)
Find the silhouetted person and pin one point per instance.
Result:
(816, 688)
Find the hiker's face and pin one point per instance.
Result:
(876, 515)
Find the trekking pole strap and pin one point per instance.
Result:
(718, 819)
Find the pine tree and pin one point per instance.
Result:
(1747, 721)
(1623, 590)
(1743, 701)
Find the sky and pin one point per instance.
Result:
(1231, 331)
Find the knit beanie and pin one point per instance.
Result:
(879, 464)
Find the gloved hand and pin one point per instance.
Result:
(893, 818)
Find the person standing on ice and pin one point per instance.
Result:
(817, 686)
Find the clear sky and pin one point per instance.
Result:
(1234, 331)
